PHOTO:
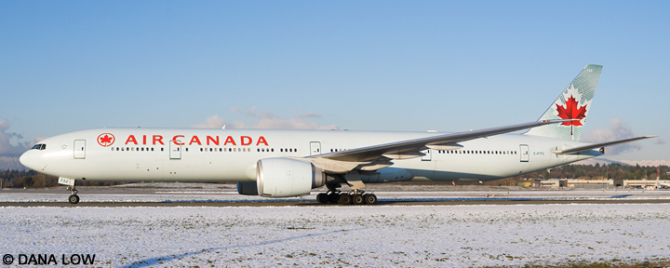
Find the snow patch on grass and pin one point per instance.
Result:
(485, 235)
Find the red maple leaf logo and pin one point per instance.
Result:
(106, 139)
(570, 111)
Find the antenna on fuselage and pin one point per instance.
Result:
(224, 127)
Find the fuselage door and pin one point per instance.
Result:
(79, 149)
(524, 153)
(427, 155)
(315, 148)
(175, 151)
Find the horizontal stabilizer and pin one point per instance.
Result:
(599, 145)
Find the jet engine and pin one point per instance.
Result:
(284, 177)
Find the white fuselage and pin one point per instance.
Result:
(216, 155)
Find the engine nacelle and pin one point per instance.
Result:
(284, 177)
(247, 188)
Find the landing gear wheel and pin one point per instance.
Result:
(73, 199)
(370, 199)
(333, 198)
(322, 198)
(344, 199)
(358, 200)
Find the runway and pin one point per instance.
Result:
(418, 202)
(213, 195)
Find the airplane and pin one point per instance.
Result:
(287, 163)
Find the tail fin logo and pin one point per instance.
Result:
(570, 111)
(567, 107)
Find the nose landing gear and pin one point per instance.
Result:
(74, 198)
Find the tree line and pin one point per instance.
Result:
(33, 179)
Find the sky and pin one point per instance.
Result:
(356, 65)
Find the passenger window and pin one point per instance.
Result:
(273, 150)
(152, 149)
(186, 149)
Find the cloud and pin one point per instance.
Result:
(212, 122)
(267, 120)
(215, 121)
(295, 123)
(659, 141)
(306, 115)
(8, 149)
(253, 112)
(10, 162)
(616, 131)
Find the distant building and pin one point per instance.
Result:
(590, 184)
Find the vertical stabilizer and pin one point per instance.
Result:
(573, 103)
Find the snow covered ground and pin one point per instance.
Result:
(487, 235)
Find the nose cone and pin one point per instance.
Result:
(24, 159)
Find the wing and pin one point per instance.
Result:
(599, 145)
(412, 148)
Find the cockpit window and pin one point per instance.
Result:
(39, 146)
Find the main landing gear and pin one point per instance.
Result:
(356, 197)
(74, 198)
